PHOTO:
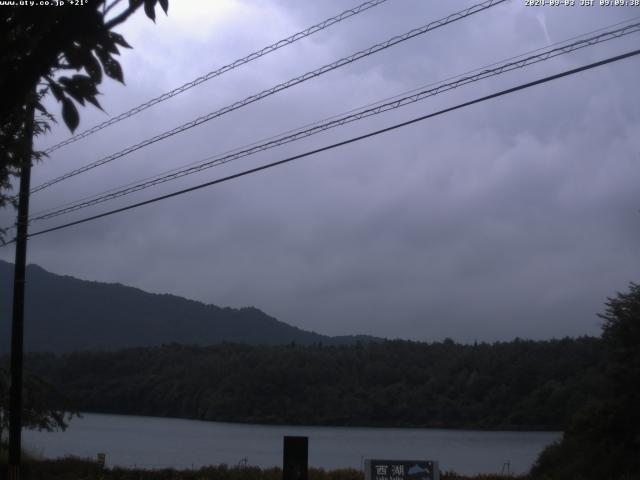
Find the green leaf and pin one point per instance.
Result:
(84, 84)
(79, 87)
(38, 106)
(149, 9)
(110, 65)
(56, 90)
(113, 69)
(119, 39)
(70, 114)
(93, 101)
(103, 55)
(107, 43)
(92, 66)
(74, 56)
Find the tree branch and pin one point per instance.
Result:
(122, 17)
(108, 8)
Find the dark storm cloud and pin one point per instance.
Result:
(516, 217)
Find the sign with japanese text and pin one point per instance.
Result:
(401, 470)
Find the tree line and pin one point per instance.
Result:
(506, 385)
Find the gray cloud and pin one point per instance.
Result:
(516, 217)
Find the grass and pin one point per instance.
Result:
(72, 468)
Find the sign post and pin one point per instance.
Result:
(295, 461)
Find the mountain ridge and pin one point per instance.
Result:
(64, 314)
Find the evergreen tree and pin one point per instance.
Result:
(602, 440)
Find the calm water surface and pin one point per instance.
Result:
(150, 442)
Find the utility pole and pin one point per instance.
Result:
(17, 321)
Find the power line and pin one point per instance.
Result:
(283, 86)
(318, 122)
(215, 73)
(342, 143)
(359, 115)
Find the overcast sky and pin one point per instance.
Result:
(514, 217)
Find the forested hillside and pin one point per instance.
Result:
(514, 385)
(64, 314)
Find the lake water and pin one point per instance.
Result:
(149, 442)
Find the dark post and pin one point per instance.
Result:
(295, 458)
(17, 322)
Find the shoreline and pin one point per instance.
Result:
(529, 429)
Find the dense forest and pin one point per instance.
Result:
(512, 385)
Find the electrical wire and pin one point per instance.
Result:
(343, 143)
(359, 115)
(283, 86)
(326, 119)
(216, 73)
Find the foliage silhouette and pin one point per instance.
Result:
(603, 437)
(44, 408)
(38, 45)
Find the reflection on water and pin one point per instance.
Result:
(151, 442)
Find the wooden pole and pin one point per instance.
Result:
(17, 322)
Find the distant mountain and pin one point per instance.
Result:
(64, 314)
